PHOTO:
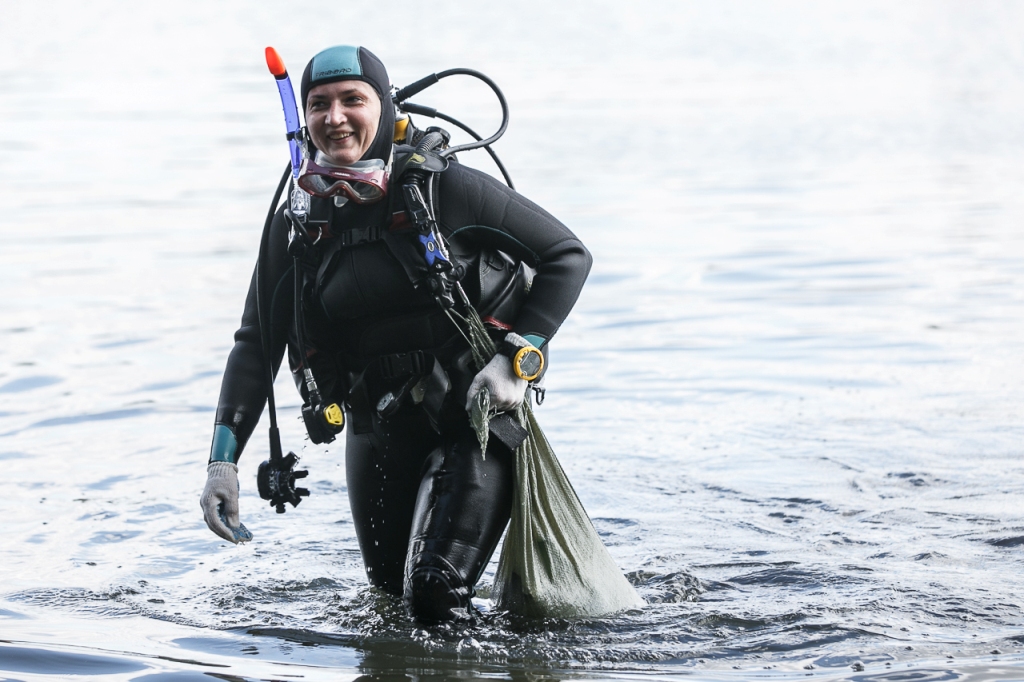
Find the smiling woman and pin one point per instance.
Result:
(429, 501)
(342, 119)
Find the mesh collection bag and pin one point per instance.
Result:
(553, 563)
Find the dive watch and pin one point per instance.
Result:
(527, 361)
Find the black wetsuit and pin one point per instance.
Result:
(428, 508)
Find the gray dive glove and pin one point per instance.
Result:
(507, 390)
(220, 502)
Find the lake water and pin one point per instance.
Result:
(790, 396)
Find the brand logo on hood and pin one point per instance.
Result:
(332, 72)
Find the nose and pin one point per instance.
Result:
(336, 114)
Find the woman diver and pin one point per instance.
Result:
(368, 321)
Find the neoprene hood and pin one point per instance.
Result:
(348, 62)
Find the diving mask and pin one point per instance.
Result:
(364, 182)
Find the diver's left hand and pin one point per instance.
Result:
(506, 389)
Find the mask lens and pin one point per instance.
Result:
(323, 182)
(317, 185)
(366, 192)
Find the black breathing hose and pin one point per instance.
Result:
(413, 108)
(430, 142)
(425, 82)
(264, 315)
(487, 148)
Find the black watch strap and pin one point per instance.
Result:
(508, 349)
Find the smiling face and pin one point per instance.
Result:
(342, 118)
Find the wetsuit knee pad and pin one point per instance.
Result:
(434, 592)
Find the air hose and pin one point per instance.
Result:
(264, 315)
(408, 91)
(276, 477)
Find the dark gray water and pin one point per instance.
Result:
(789, 396)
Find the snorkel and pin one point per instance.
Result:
(299, 202)
(291, 111)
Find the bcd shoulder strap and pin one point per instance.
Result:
(414, 202)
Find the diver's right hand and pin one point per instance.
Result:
(222, 489)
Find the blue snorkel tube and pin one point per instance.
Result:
(299, 200)
(291, 111)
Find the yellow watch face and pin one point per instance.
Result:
(528, 363)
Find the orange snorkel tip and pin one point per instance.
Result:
(276, 64)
